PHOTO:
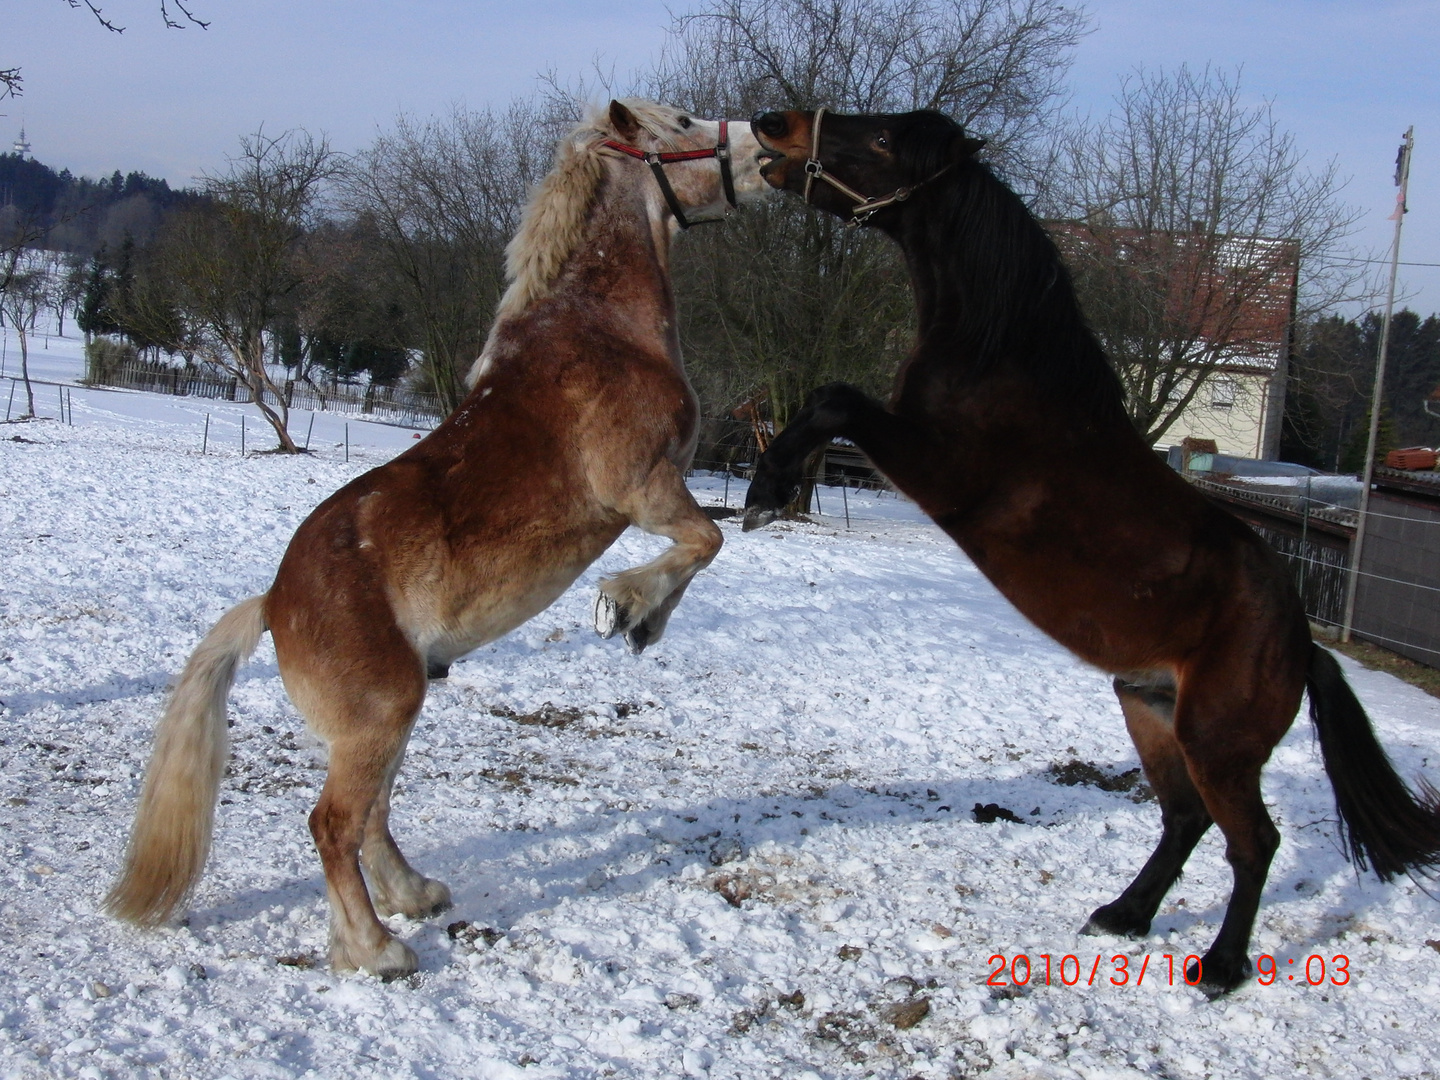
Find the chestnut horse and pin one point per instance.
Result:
(580, 423)
(1007, 426)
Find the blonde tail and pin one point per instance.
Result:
(176, 815)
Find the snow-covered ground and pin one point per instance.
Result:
(748, 853)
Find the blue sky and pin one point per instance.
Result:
(1346, 77)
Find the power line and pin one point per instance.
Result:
(1382, 262)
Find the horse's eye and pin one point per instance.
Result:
(684, 121)
(882, 142)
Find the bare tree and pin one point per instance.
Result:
(168, 10)
(69, 276)
(11, 82)
(27, 292)
(784, 299)
(440, 198)
(234, 263)
(1196, 235)
(996, 66)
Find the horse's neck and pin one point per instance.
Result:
(624, 259)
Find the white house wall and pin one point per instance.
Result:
(1238, 429)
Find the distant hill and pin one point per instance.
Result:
(82, 214)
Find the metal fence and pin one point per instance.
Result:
(1397, 598)
(1313, 538)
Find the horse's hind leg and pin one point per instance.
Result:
(365, 711)
(1149, 716)
(395, 887)
(638, 602)
(1226, 770)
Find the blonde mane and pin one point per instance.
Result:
(553, 222)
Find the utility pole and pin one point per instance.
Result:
(1402, 181)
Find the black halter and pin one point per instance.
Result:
(865, 205)
(657, 162)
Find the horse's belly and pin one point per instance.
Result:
(484, 603)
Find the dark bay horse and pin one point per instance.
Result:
(580, 423)
(1007, 426)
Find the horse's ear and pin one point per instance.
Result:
(623, 121)
(967, 146)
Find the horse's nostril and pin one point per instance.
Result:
(772, 124)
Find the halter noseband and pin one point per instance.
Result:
(865, 205)
(657, 162)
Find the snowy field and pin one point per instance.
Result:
(748, 853)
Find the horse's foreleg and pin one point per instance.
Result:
(828, 411)
(896, 446)
(395, 886)
(638, 602)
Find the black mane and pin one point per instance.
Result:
(987, 275)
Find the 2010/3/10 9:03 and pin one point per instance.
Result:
(1069, 971)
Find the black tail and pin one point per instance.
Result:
(1385, 825)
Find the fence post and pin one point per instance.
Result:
(309, 429)
(10, 402)
(845, 498)
(347, 442)
(1304, 542)
(242, 435)
(205, 439)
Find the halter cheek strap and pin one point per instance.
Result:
(657, 162)
(865, 205)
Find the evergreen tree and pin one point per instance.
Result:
(94, 316)
(1352, 457)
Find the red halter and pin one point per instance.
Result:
(657, 162)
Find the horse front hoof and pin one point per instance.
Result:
(637, 637)
(757, 517)
(392, 960)
(610, 617)
(438, 895)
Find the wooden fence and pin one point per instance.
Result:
(408, 408)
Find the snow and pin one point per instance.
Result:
(737, 855)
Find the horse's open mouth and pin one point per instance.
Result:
(767, 159)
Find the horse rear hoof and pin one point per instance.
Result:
(1215, 977)
(1108, 920)
(396, 961)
